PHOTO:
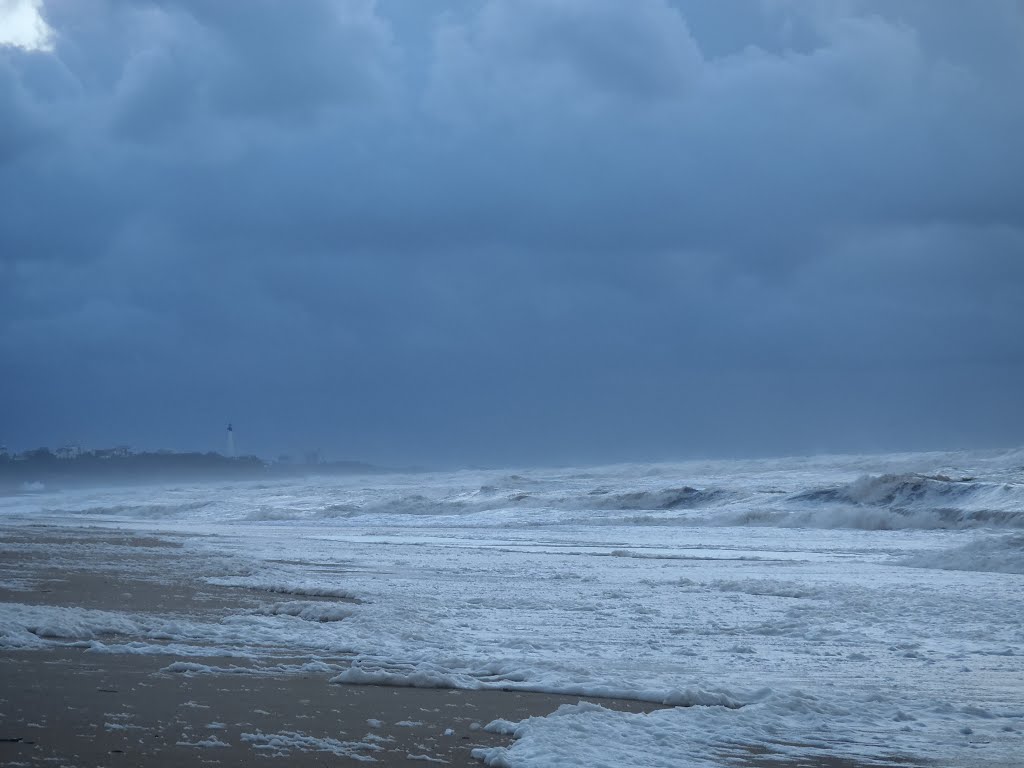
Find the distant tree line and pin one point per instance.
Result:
(74, 467)
(41, 465)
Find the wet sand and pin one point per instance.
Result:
(68, 706)
(86, 709)
(75, 707)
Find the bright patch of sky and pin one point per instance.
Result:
(22, 25)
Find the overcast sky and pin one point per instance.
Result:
(512, 231)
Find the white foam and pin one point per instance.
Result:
(32, 626)
(210, 742)
(286, 741)
(270, 584)
(788, 726)
(191, 669)
(375, 671)
(310, 611)
(122, 727)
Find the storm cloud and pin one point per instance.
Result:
(483, 231)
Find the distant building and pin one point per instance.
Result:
(69, 451)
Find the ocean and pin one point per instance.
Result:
(869, 607)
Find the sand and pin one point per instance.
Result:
(69, 706)
(72, 707)
(76, 708)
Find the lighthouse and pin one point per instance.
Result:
(231, 442)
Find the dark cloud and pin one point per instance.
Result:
(515, 231)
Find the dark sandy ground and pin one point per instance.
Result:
(82, 709)
(67, 706)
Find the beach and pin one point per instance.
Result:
(72, 706)
(834, 613)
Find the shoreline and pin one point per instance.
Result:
(88, 709)
(101, 704)
(68, 705)
(76, 708)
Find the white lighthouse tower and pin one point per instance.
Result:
(231, 442)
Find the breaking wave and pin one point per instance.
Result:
(490, 499)
(143, 511)
(913, 491)
(1000, 554)
(893, 502)
(896, 490)
(683, 497)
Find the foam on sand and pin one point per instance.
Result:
(288, 741)
(794, 725)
